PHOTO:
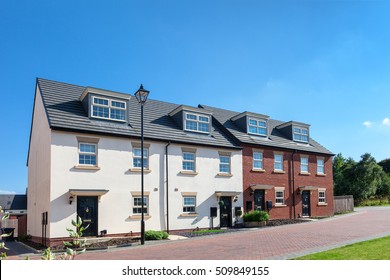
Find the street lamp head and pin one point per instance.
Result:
(141, 95)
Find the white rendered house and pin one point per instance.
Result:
(84, 160)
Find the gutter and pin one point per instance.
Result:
(167, 179)
(293, 180)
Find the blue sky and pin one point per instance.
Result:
(326, 63)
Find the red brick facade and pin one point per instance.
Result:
(269, 180)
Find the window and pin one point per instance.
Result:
(304, 164)
(108, 109)
(195, 122)
(279, 197)
(321, 197)
(278, 162)
(189, 161)
(137, 205)
(258, 160)
(301, 134)
(224, 164)
(320, 166)
(189, 204)
(87, 154)
(137, 158)
(258, 127)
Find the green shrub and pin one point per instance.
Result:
(155, 235)
(256, 216)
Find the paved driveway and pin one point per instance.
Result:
(282, 242)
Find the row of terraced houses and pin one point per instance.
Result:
(202, 165)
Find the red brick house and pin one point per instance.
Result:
(285, 172)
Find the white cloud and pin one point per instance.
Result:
(386, 121)
(367, 124)
(7, 192)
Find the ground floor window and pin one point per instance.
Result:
(137, 205)
(279, 196)
(321, 197)
(189, 204)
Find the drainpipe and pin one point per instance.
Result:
(293, 180)
(167, 178)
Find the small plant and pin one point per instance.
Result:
(238, 213)
(155, 235)
(4, 216)
(221, 203)
(77, 246)
(256, 216)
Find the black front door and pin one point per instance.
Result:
(259, 200)
(306, 203)
(87, 210)
(225, 211)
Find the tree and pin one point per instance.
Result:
(385, 165)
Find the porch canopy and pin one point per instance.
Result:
(260, 187)
(226, 193)
(308, 188)
(88, 192)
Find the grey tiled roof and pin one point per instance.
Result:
(13, 201)
(274, 139)
(65, 112)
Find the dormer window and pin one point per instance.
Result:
(301, 134)
(110, 109)
(258, 127)
(197, 122)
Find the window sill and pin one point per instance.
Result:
(280, 205)
(189, 215)
(138, 170)
(321, 175)
(138, 217)
(87, 167)
(258, 170)
(322, 204)
(224, 175)
(279, 172)
(304, 173)
(189, 173)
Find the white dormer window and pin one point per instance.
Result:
(301, 134)
(258, 127)
(105, 108)
(196, 122)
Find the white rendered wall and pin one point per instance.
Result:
(38, 191)
(115, 161)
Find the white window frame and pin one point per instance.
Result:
(197, 121)
(321, 200)
(304, 164)
(278, 162)
(146, 157)
(146, 205)
(188, 211)
(228, 164)
(261, 160)
(320, 166)
(257, 126)
(88, 153)
(187, 160)
(280, 198)
(298, 135)
(110, 107)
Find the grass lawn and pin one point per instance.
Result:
(376, 249)
(208, 231)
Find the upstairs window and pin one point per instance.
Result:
(224, 164)
(137, 158)
(105, 108)
(320, 166)
(258, 127)
(195, 122)
(304, 164)
(278, 162)
(258, 160)
(301, 134)
(188, 161)
(87, 154)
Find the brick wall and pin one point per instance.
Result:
(269, 177)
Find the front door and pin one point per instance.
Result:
(87, 210)
(225, 208)
(306, 203)
(259, 200)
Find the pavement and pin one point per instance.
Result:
(271, 243)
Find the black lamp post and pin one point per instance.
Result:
(141, 96)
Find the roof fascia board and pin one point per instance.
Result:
(190, 109)
(250, 114)
(104, 93)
